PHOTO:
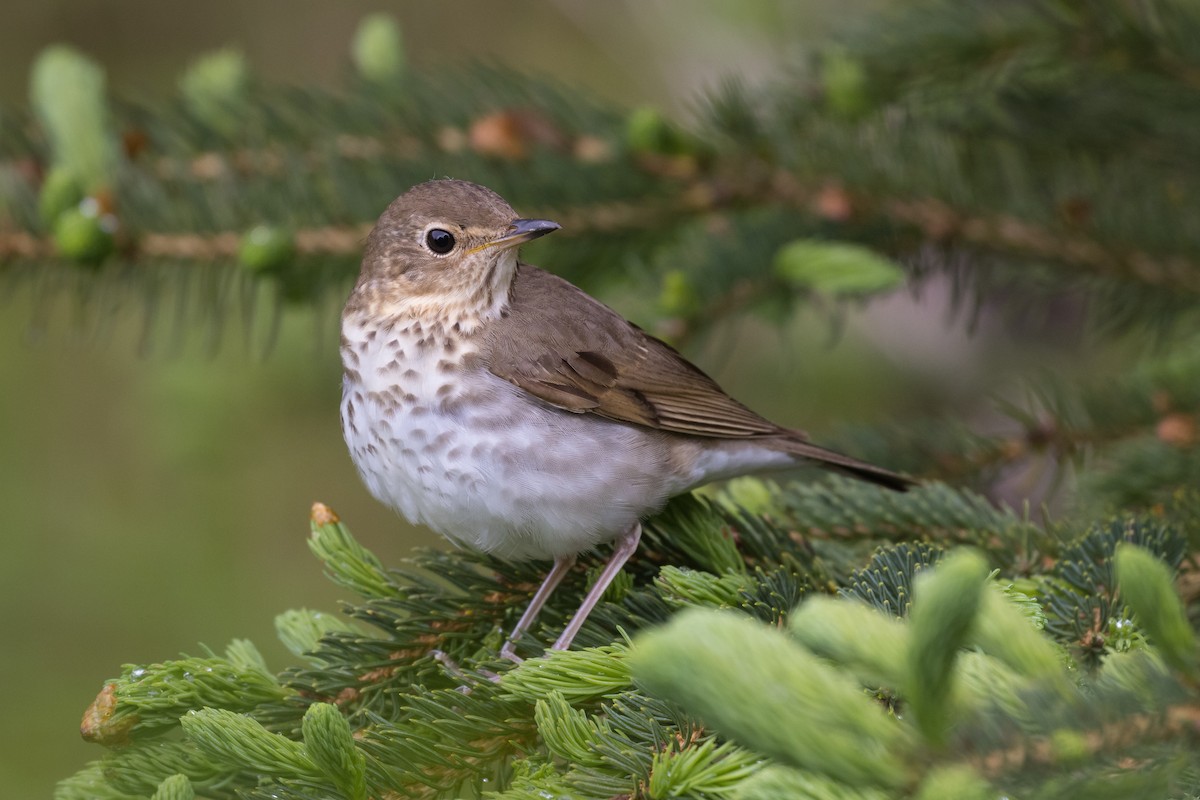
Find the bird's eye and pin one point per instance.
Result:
(439, 241)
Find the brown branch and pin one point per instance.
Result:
(344, 240)
(942, 224)
(934, 220)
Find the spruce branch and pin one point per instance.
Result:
(1146, 583)
(329, 742)
(176, 787)
(576, 675)
(885, 165)
(844, 735)
(1132, 433)
(946, 600)
(148, 700)
(1084, 610)
(704, 769)
(374, 712)
(569, 733)
(886, 581)
(236, 742)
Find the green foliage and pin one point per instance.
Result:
(330, 744)
(886, 581)
(266, 249)
(215, 90)
(560, 671)
(235, 743)
(944, 131)
(347, 563)
(954, 783)
(684, 587)
(861, 508)
(1146, 583)
(176, 787)
(736, 676)
(861, 638)
(301, 630)
(945, 601)
(570, 734)
(845, 84)
(964, 693)
(1005, 631)
(81, 235)
(836, 269)
(647, 131)
(67, 91)
(705, 770)
(153, 698)
(61, 191)
(1083, 608)
(378, 49)
(776, 782)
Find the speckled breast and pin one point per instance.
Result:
(449, 445)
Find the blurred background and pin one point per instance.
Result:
(157, 503)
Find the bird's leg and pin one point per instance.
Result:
(626, 546)
(557, 573)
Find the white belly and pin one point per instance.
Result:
(482, 463)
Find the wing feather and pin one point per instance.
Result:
(570, 351)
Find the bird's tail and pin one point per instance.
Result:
(851, 466)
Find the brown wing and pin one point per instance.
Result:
(569, 350)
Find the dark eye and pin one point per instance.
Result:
(439, 241)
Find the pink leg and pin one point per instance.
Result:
(557, 573)
(625, 547)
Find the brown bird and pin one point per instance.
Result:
(509, 411)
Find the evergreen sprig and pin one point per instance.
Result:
(1033, 142)
(853, 700)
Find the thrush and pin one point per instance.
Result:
(509, 411)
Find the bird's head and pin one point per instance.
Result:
(444, 247)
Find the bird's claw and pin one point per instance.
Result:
(451, 666)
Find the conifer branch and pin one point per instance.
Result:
(603, 720)
(317, 168)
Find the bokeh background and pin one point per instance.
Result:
(155, 499)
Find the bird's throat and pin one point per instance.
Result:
(462, 302)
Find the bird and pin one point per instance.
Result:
(511, 412)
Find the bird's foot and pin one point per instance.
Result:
(455, 671)
(448, 663)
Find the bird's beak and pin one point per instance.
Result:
(519, 232)
(524, 230)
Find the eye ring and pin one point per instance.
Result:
(440, 241)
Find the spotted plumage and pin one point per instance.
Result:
(508, 410)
